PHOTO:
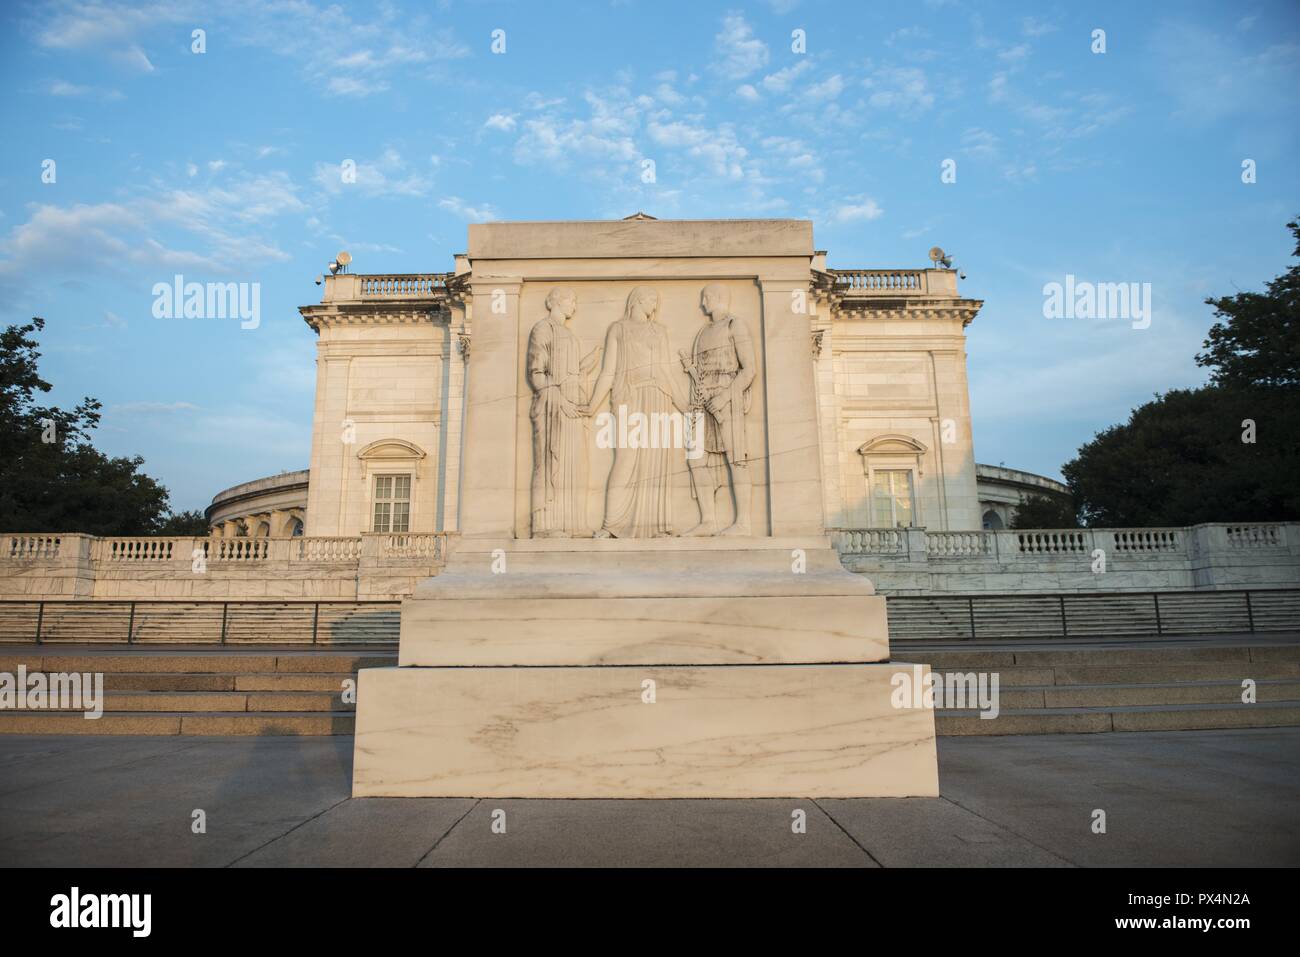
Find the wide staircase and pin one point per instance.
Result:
(1061, 686)
(200, 690)
(1097, 685)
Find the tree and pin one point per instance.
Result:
(1258, 343)
(1226, 452)
(1186, 457)
(51, 478)
(1040, 510)
(191, 522)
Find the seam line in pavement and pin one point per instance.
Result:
(288, 832)
(448, 831)
(1009, 830)
(860, 845)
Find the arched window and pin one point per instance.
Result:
(390, 469)
(892, 464)
(992, 521)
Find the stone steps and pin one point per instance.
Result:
(1168, 717)
(181, 691)
(171, 722)
(1089, 687)
(1056, 689)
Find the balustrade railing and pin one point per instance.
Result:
(402, 286)
(1148, 540)
(1254, 536)
(133, 549)
(885, 282)
(1054, 542)
(432, 546)
(239, 549)
(957, 544)
(32, 547)
(869, 541)
(334, 549)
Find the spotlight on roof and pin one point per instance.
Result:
(344, 259)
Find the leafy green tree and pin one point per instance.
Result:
(1258, 341)
(51, 478)
(190, 522)
(1186, 457)
(1226, 452)
(1041, 510)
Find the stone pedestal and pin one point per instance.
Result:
(664, 668)
(544, 662)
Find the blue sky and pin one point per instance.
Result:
(224, 166)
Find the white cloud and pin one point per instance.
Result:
(385, 175)
(979, 143)
(747, 92)
(740, 52)
(134, 58)
(900, 89)
(1036, 27)
(828, 89)
(458, 207)
(857, 211)
(783, 79)
(64, 88)
(356, 86)
(160, 228)
(505, 122)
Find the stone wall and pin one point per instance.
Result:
(915, 561)
(370, 566)
(899, 561)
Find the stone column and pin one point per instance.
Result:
(793, 446)
(458, 350)
(488, 470)
(331, 453)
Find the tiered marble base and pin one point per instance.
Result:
(669, 668)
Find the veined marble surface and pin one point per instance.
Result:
(588, 732)
(655, 631)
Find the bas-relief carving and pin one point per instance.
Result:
(721, 365)
(556, 373)
(637, 377)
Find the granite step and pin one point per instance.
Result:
(180, 723)
(121, 702)
(1167, 717)
(1017, 676)
(213, 662)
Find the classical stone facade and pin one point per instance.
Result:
(890, 445)
(642, 521)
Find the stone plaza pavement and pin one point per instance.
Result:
(1187, 798)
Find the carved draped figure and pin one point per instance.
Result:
(638, 496)
(559, 481)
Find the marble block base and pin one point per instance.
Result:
(673, 601)
(731, 731)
